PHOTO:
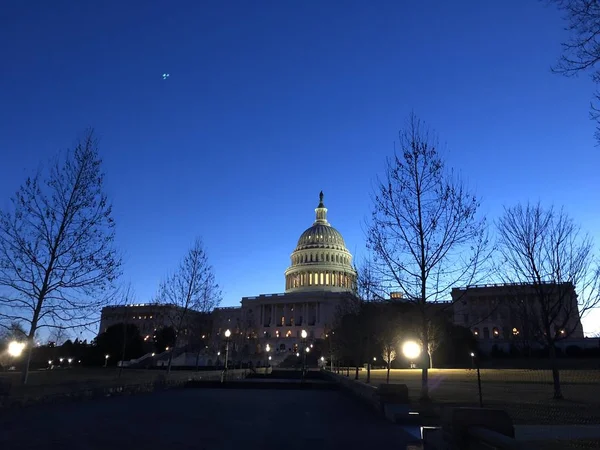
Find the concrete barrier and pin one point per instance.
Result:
(478, 428)
(364, 392)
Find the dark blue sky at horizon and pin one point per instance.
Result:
(269, 102)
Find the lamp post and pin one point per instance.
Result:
(304, 334)
(476, 361)
(218, 354)
(411, 351)
(106, 360)
(268, 358)
(227, 336)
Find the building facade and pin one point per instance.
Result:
(504, 314)
(149, 318)
(319, 278)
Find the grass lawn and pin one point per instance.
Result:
(525, 394)
(59, 381)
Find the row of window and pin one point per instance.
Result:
(322, 238)
(508, 333)
(337, 279)
(320, 257)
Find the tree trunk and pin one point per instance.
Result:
(25, 373)
(356, 374)
(430, 354)
(170, 361)
(123, 349)
(425, 345)
(369, 372)
(555, 373)
(388, 373)
(198, 361)
(347, 371)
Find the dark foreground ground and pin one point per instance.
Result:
(203, 419)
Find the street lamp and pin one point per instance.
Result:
(304, 335)
(70, 360)
(476, 361)
(106, 360)
(411, 351)
(227, 336)
(267, 349)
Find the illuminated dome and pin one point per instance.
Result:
(321, 260)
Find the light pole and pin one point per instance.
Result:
(304, 334)
(218, 354)
(411, 351)
(267, 349)
(227, 336)
(106, 360)
(476, 361)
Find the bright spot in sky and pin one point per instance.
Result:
(165, 76)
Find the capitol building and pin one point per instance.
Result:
(319, 277)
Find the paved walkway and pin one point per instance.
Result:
(203, 419)
(556, 432)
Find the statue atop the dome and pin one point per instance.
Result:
(321, 205)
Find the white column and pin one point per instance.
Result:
(304, 314)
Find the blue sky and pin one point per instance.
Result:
(268, 102)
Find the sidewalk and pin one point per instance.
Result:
(556, 432)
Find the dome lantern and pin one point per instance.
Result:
(321, 212)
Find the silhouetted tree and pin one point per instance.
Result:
(165, 338)
(113, 340)
(581, 52)
(57, 259)
(58, 335)
(424, 231)
(545, 249)
(192, 287)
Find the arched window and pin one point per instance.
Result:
(486, 333)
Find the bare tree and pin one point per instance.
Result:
(389, 354)
(191, 288)
(57, 260)
(581, 52)
(58, 335)
(546, 250)
(424, 231)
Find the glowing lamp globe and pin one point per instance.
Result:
(227, 333)
(304, 334)
(15, 349)
(411, 349)
(268, 348)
